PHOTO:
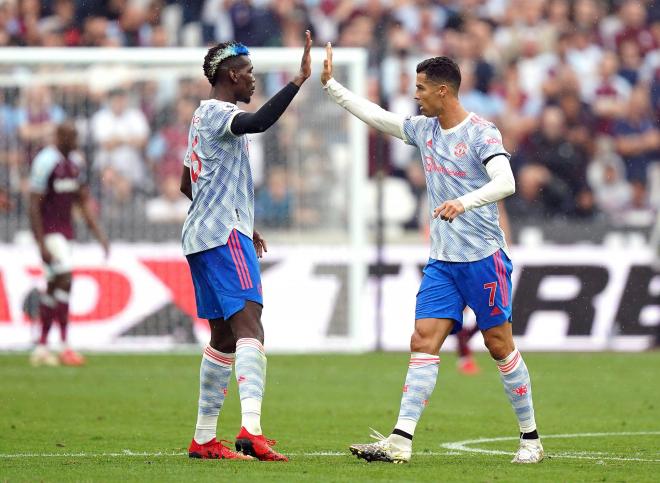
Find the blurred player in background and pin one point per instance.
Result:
(222, 246)
(56, 186)
(466, 363)
(467, 172)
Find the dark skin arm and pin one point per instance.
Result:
(84, 201)
(186, 187)
(36, 222)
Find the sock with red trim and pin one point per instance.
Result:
(47, 306)
(419, 385)
(214, 375)
(251, 378)
(518, 388)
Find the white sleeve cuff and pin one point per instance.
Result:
(501, 185)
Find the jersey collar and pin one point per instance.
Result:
(457, 126)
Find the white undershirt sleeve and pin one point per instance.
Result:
(501, 184)
(370, 113)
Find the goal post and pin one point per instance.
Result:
(322, 149)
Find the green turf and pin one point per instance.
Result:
(323, 403)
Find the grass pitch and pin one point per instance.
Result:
(131, 418)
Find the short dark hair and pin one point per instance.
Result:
(210, 70)
(441, 69)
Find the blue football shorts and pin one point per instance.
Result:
(225, 277)
(484, 285)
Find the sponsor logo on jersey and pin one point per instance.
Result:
(432, 167)
(460, 150)
(491, 140)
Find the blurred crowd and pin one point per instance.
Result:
(574, 86)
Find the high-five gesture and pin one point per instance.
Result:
(306, 62)
(327, 64)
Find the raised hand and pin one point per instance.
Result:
(326, 75)
(306, 62)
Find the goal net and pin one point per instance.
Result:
(132, 109)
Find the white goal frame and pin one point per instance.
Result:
(287, 59)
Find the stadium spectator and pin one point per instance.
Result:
(484, 103)
(402, 102)
(578, 118)
(610, 95)
(96, 32)
(552, 171)
(169, 206)
(638, 141)
(607, 177)
(526, 53)
(120, 133)
(275, 202)
(584, 56)
(168, 146)
(631, 62)
(61, 25)
(634, 26)
(37, 116)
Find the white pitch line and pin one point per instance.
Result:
(463, 446)
(455, 449)
(129, 453)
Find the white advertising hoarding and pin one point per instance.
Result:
(141, 298)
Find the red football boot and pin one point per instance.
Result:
(258, 446)
(468, 366)
(69, 357)
(214, 450)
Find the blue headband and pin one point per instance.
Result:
(232, 50)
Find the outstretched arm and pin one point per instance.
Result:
(265, 117)
(368, 112)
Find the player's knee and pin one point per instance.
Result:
(223, 345)
(499, 349)
(420, 343)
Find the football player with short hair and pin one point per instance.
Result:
(467, 172)
(222, 246)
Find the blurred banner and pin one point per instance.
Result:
(576, 298)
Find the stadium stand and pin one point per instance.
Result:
(573, 86)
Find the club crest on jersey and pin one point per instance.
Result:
(460, 150)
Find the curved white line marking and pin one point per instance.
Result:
(463, 446)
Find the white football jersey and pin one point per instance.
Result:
(454, 163)
(222, 189)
